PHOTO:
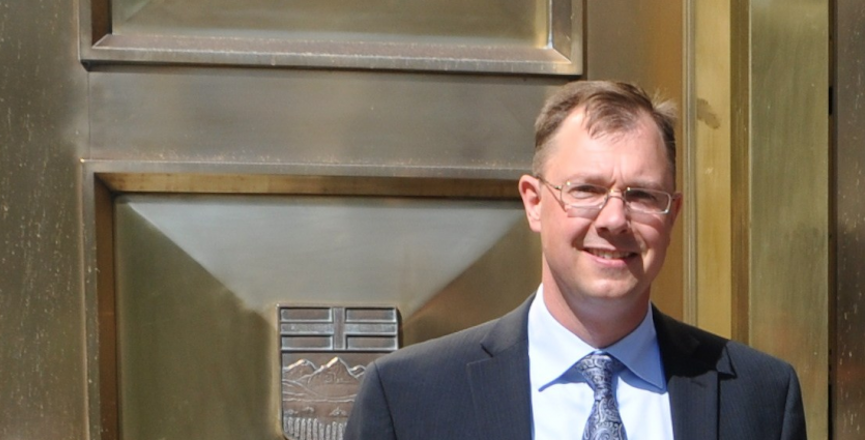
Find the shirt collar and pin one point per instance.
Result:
(553, 349)
(639, 352)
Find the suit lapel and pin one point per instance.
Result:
(692, 371)
(694, 404)
(500, 384)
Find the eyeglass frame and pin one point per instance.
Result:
(609, 193)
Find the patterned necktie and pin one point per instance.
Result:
(604, 421)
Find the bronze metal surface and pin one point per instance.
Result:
(43, 132)
(215, 183)
(788, 198)
(761, 175)
(536, 37)
(710, 168)
(138, 123)
(848, 356)
(198, 274)
(412, 122)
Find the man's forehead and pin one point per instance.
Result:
(579, 120)
(584, 146)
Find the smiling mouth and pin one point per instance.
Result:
(609, 255)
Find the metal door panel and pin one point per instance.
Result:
(314, 117)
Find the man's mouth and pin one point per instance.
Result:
(609, 255)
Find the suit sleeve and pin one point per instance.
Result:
(370, 418)
(794, 412)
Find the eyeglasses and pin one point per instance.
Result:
(585, 196)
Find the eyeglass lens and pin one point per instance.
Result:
(580, 195)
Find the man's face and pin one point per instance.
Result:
(610, 255)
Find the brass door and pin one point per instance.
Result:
(123, 120)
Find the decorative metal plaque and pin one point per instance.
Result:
(324, 351)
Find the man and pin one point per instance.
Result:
(587, 356)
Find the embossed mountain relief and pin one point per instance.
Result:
(324, 351)
(317, 399)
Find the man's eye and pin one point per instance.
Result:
(642, 195)
(583, 191)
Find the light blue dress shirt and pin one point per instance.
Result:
(561, 398)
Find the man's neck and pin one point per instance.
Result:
(600, 322)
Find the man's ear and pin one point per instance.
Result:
(530, 191)
(675, 207)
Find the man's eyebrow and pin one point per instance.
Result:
(585, 178)
(647, 185)
(596, 179)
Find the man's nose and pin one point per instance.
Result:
(613, 216)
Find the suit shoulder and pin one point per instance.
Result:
(458, 347)
(728, 355)
(505, 334)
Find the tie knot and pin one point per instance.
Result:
(598, 369)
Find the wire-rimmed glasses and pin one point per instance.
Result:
(577, 196)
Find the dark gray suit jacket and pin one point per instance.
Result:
(474, 384)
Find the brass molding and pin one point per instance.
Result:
(307, 185)
(544, 37)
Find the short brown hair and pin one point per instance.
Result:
(610, 107)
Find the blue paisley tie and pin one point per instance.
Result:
(604, 422)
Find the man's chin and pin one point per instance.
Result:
(614, 292)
